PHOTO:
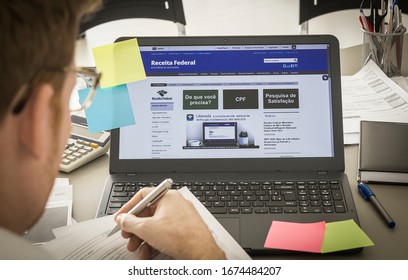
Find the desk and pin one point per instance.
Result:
(88, 182)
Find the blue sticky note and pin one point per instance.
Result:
(110, 108)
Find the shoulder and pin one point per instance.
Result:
(14, 247)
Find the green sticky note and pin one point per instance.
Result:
(120, 63)
(344, 235)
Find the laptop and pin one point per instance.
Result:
(220, 134)
(279, 95)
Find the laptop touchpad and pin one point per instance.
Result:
(232, 226)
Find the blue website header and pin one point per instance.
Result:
(235, 62)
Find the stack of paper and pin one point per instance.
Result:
(371, 95)
(89, 240)
(57, 213)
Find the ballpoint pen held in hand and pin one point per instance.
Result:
(151, 198)
(369, 195)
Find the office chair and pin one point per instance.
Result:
(309, 9)
(171, 10)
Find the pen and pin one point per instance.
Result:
(151, 198)
(368, 195)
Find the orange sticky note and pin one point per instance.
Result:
(306, 237)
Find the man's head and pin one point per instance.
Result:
(38, 43)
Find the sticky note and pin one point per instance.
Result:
(344, 235)
(120, 63)
(306, 237)
(110, 108)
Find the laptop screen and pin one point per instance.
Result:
(231, 101)
(282, 93)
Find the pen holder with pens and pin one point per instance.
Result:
(385, 50)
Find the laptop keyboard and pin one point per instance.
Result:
(243, 197)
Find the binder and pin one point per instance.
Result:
(383, 152)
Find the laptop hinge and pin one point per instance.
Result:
(131, 174)
(322, 172)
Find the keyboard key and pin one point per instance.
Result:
(264, 198)
(218, 210)
(219, 204)
(339, 207)
(258, 204)
(285, 187)
(233, 210)
(280, 203)
(232, 204)
(289, 195)
(119, 194)
(276, 198)
(328, 209)
(119, 199)
(261, 210)
(310, 209)
(245, 204)
(304, 203)
(115, 205)
(246, 210)
(225, 198)
(290, 210)
(337, 195)
(207, 204)
(250, 198)
(315, 203)
(112, 211)
(276, 210)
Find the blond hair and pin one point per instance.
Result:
(35, 35)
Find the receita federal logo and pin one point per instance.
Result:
(161, 95)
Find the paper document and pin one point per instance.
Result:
(57, 213)
(88, 240)
(371, 95)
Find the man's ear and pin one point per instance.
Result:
(36, 130)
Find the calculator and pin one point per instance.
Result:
(82, 145)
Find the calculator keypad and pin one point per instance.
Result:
(75, 149)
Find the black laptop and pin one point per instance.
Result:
(219, 134)
(278, 97)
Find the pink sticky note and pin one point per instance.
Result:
(306, 237)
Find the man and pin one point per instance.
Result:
(37, 77)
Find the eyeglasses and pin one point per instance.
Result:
(86, 77)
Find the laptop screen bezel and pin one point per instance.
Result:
(335, 163)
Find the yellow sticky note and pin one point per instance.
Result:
(120, 63)
(344, 235)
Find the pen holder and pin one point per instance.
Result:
(385, 50)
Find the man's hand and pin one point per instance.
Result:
(171, 225)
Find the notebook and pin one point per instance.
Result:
(219, 134)
(282, 94)
(382, 153)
